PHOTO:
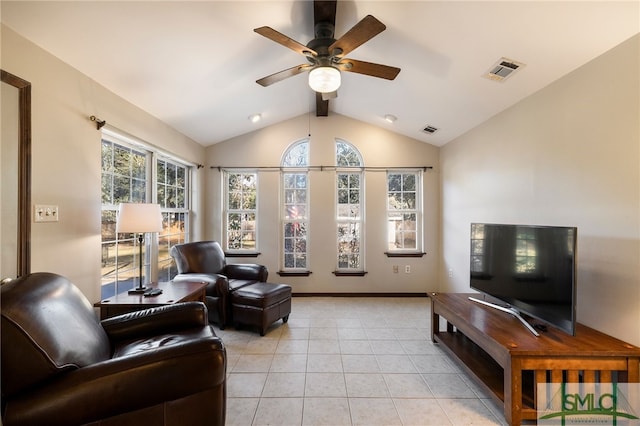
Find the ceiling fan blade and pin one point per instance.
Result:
(361, 32)
(322, 106)
(329, 95)
(368, 68)
(282, 39)
(324, 11)
(281, 75)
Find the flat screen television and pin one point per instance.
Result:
(531, 269)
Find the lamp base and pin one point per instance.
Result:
(138, 290)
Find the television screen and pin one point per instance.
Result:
(530, 268)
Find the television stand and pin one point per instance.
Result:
(508, 362)
(511, 311)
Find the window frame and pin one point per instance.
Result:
(151, 249)
(352, 168)
(117, 243)
(418, 210)
(167, 212)
(300, 168)
(227, 211)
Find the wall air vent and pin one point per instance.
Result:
(503, 69)
(430, 130)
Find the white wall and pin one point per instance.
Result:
(66, 157)
(379, 148)
(567, 155)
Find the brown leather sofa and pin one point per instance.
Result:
(62, 366)
(205, 261)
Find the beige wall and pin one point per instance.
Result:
(567, 155)
(379, 148)
(66, 157)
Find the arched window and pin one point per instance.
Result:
(297, 155)
(349, 208)
(295, 209)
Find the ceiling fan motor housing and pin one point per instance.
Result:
(324, 32)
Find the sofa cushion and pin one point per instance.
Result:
(51, 327)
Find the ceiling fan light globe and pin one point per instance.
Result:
(324, 79)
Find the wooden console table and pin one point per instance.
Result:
(123, 303)
(509, 361)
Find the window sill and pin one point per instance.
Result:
(242, 254)
(294, 273)
(349, 273)
(404, 254)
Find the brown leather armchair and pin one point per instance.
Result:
(205, 261)
(61, 365)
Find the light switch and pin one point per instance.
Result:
(45, 213)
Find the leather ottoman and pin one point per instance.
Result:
(261, 304)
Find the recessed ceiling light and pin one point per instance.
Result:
(254, 118)
(390, 118)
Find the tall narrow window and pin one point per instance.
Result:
(349, 211)
(125, 177)
(172, 193)
(241, 211)
(295, 218)
(404, 211)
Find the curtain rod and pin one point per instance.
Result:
(133, 140)
(321, 168)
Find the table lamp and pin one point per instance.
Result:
(139, 218)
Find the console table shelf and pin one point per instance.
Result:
(509, 361)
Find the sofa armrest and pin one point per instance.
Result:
(124, 384)
(246, 271)
(216, 284)
(161, 319)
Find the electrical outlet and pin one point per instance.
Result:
(395, 269)
(44, 213)
(450, 273)
(407, 269)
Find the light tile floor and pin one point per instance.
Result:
(350, 361)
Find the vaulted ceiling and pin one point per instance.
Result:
(194, 65)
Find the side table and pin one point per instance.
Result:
(172, 292)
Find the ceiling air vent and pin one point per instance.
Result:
(502, 69)
(430, 130)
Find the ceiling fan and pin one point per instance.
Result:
(326, 55)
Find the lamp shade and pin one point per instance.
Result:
(324, 79)
(137, 217)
